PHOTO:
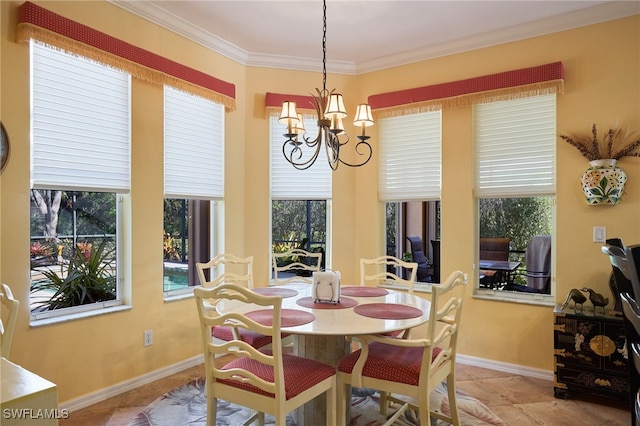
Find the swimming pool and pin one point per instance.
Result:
(175, 278)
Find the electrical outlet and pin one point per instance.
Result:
(599, 234)
(147, 338)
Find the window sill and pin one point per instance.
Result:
(78, 315)
(515, 297)
(488, 294)
(173, 296)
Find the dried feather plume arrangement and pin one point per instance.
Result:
(615, 144)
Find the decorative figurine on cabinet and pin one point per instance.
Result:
(597, 299)
(578, 299)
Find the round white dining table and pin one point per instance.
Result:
(322, 335)
(343, 319)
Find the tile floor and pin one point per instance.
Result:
(518, 400)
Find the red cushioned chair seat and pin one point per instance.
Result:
(393, 333)
(388, 362)
(254, 339)
(299, 374)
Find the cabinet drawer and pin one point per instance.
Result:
(618, 360)
(592, 381)
(588, 342)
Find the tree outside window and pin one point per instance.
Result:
(299, 224)
(518, 219)
(73, 248)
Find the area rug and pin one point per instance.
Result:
(186, 405)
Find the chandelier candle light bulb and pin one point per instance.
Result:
(298, 128)
(289, 117)
(364, 118)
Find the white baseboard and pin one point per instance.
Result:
(103, 394)
(505, 367)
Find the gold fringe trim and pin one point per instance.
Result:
(26, 31)
(518, 92)
(274, 111)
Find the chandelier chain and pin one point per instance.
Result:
(324, 46)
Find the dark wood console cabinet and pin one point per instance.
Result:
(590, 354)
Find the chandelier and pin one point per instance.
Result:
(330, 110)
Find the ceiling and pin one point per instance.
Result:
(363, 36)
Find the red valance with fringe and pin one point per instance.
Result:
(35, 22)
(273, 103)
(514, 84)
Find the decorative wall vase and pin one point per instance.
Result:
(603, 182)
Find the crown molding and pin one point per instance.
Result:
(592, 15)
(300, 64)
(567, 21)
(176, 24)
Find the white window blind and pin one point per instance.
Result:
(515, 145)
(289, 183)
(80, 123)
(410, 157)
(193, 146)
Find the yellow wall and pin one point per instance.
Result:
(87, 355)
(602, 64)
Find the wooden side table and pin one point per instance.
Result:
(26, 398)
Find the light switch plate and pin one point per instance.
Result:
(599, 234)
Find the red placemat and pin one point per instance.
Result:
(288, 317)
(362, 291)
(345, 302)
(387, 311)
(276, 291)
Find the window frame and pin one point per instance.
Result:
(411, 142)
(530, 189)
(206, 127)
(286, 173)
(115, 178)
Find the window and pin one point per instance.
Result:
(79, 183)
(300, 199)
(515, 188)
(193, 185)
(410, 176)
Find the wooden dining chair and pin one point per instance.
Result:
(226, 267)
(295, 265)
(388, 270)
(265, 381)
(229, 268)
(8, 319)
(411, 367)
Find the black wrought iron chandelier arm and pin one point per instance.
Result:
(368, 154)
(295, 149)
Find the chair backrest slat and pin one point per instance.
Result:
(295, 265)
(228, 268)
(387, 270)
